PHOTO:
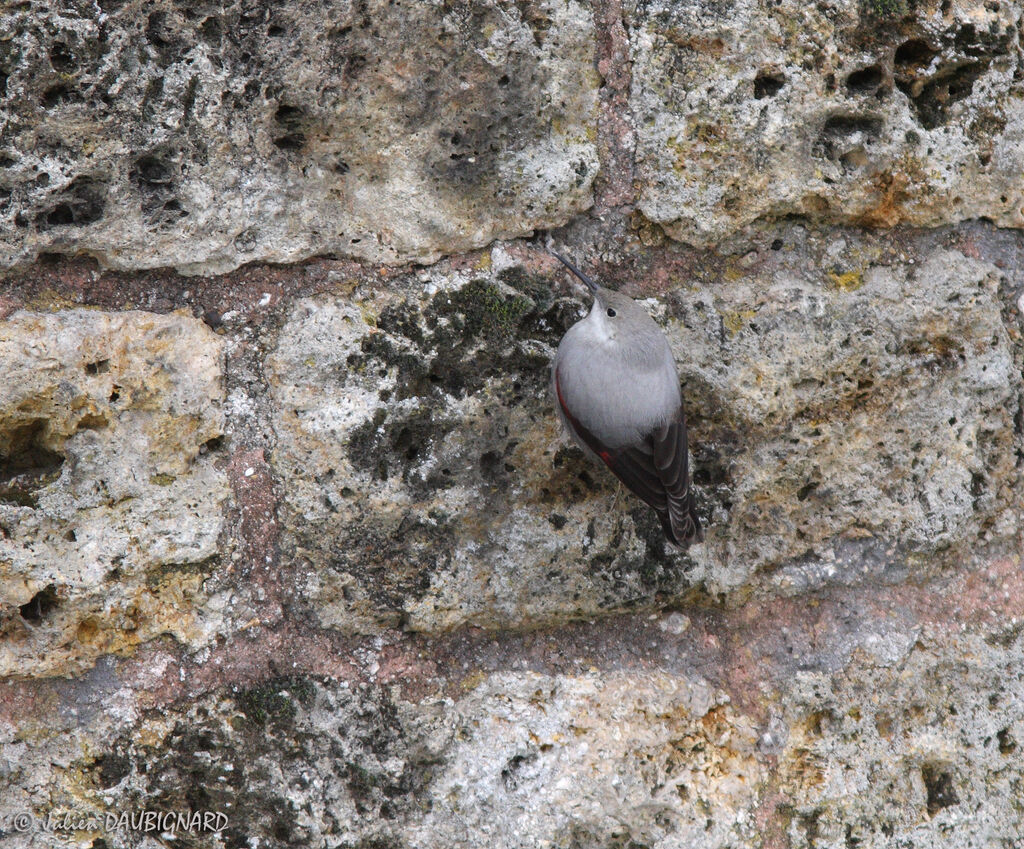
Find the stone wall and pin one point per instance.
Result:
(288, 530)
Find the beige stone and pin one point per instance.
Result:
(110, 502)
(845, 427)
(848, 113)
(206, 139)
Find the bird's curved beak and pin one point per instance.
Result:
(590, 283)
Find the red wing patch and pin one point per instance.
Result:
(591, 441)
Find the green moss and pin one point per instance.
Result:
(487, 311)
(275, 701)
(886, 9)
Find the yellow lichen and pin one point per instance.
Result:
(848, 281)
(733, 321)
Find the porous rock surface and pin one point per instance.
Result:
(110, 501)
(301, 546)
(208, 135)
(867, 113)
(893, 720)
(425, 476)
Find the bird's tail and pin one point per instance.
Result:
(691, 531)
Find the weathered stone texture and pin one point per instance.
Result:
(870, 113)
(865, 409)
(110, 502)
(206, 136)
(418, 457)
(874, 727)
(845, 424)
(304, 545)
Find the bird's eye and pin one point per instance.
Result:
(611, 312)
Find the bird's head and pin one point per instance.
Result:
(616, 315)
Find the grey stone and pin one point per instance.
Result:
(846, 427)
(846, 112)
(211, 136)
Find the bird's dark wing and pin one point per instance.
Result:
(669, 455)
(656, 470)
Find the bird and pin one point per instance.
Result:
(616, 389)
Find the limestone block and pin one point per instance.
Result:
(152, 134)
(869, 416)
(869, 113)
(845, 427)
(916, 745)
(110, 501)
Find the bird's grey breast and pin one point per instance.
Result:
(619, 397)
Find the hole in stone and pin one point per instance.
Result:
(275, 31)
(212, 444)
(846, 135)
(115, 394)
(57, 94)
(27, 465)
(153, 169)
(848, 125)
(61, 59)
(210, 29)
(291, 141)
(70, 536)
(977, 484)
(768, 84)
(289, 117)
(916, 51)
(967, 40)
(865, 80)
(938, 785)
(213, 319)
(60, 215)
(81, 203)
(804, 491)
(98, 367)
(1007, 744)
(154, 29)
(777, 245)
(489, 462)
(946, 87)
(288, 114)
(39, 605)
(112, 768)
